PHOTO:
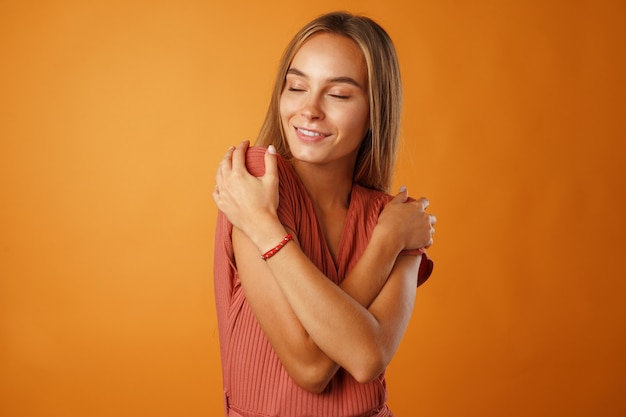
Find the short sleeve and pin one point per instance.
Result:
(287, 184)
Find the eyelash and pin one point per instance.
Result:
(337, 96)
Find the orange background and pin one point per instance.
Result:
(114, 115)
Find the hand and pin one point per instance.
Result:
(407, 221)
(246, 200)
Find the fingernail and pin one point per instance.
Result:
(271, 149)
(402, 189)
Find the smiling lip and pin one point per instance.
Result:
(309, 136)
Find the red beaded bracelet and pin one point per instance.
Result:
(276, 248)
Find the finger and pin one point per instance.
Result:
(225, 165)
(433, 219)
(271, 165)
(423, 201)
(222, 175)
(239, 155)
(226, 160)
(430, 238)
(402, 196)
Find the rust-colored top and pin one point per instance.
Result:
(255, 382)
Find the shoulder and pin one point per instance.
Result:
(287, 176)
(369, 199)
(255, 162)
(292, 195)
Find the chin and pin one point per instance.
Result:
(309, 156)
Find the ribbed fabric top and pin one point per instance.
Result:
(255, 382)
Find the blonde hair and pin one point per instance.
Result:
(377, 154)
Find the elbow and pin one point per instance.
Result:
(315, 387)
(313, 377)
(315, 380)
(367, 373)
(369, 367)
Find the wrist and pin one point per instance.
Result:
(276, 248)
(387, 240)
(265, 233)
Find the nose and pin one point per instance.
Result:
(311, 108)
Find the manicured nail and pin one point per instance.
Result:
(271, 149)
(402, 189)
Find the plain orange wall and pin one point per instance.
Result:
(113, 117)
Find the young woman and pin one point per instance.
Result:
(316, 266)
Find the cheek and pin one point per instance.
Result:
(286, 109)
(359, 120)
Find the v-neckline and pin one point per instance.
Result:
(336, 263)
(342, 236)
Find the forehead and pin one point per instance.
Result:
(331, 55)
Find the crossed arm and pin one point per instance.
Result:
(315, 326)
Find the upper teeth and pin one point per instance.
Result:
(308, 132)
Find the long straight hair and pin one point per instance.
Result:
(378, 150)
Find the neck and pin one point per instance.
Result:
(328, 188)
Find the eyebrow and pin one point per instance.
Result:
(345, 80)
